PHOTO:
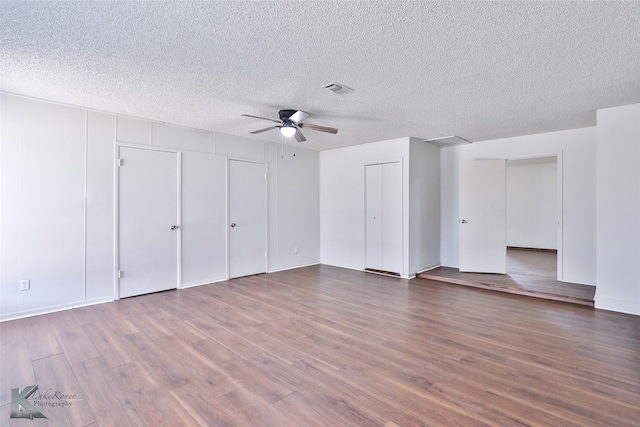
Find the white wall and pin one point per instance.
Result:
(578, 148)
(342, 185)
(204, 218)
(618, 208)
(532, 213)
(298, 208)
(424, 206)
(342, 204)
(43, 205)
(100, 210)
(57, 206)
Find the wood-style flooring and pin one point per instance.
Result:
(324, 346)
(529, 272)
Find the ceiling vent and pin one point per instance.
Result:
(338, 88)
(447, 141)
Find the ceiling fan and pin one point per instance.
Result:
(290, 124)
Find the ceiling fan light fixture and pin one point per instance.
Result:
(288, 130)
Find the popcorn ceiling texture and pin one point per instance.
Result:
(481, 70)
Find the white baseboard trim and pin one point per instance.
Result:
(620, 306)
(53, 309)
(343, 266)
(368, 271)
(575, 282)
(291, 267)
(433, 267)
(200, 283)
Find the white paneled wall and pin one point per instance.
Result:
(100, 210)
(181, 138)
(43, 206)
(236, 147)
(132, 130)
(342, 207)
(204, 218)
(58, 202)
(303, 167)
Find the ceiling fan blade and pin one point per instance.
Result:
(265, 129)
(263, 118)
(299, 136)
(318, 128)
(298, 116)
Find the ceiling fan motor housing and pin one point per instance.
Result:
(285, 114)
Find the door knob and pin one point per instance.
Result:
(174, 227)
(233, 224)
(464, 221)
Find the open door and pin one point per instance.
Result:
(483, 240)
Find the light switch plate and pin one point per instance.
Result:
(25, 284)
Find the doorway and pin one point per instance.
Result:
(483, 212)
(532, 221)
(531, 283)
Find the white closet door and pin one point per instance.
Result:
(373, 223)
(383, 212)
(392, 217)
(148, 214)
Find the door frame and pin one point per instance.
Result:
(559, 205)
(116, 213)
(266, 211)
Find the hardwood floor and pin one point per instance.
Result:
(324, 346)
(529, 272)
(532, 262)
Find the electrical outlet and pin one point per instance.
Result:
(295, 249)
(25, 284)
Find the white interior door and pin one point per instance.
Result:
(483, 242)
(148, 220)
(248, 218)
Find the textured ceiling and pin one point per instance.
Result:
(481, 70)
